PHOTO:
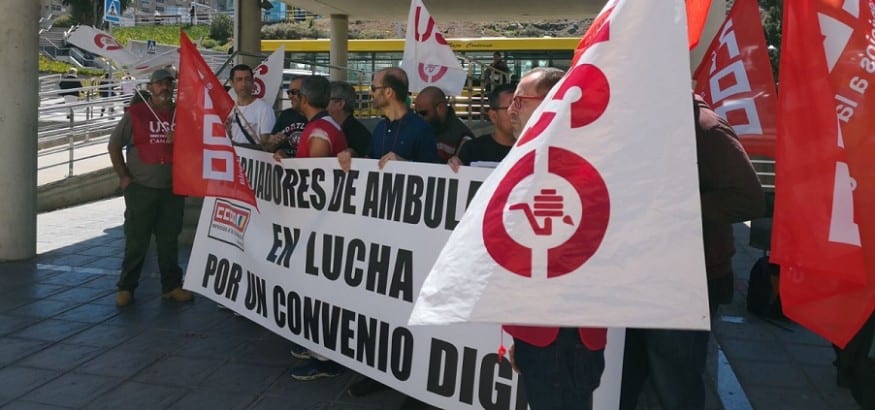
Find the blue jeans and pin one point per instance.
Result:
(675, 362)
(562, 375)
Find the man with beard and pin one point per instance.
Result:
(491, 147)
(401, 135)
(451, 133)
(151, 207)
(252, 119)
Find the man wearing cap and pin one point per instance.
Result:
(145, 179)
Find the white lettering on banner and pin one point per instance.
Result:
(218, 165)
(314, 270)
(740, 83)
(842, 227)
(753, 126)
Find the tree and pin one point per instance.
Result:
(90, 12)
(771, 12)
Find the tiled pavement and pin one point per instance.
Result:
(64, 344)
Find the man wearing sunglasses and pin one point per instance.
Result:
(431, 104)
(401, 135)
(286, 133)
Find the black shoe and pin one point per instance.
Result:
(365, 387)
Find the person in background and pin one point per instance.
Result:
(252, 119)
(401, 135)
(151, 207)
(341, 107)
(286, 133)
(730, 192)
(495, 146)
(451, 133)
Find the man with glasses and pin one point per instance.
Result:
(341, 107)
(286, 133)
(451, 133)
(490, 147)
(560, 367)
(250, 122)
(401, 135)
(151, 207)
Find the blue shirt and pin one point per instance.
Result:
(409, 137)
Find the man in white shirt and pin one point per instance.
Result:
(252, 119)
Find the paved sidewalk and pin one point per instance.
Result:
(64, 344)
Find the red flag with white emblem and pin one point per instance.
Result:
(735, 78)
(824, 228)
(204, 161)
(593, 218)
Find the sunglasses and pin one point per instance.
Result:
(294, 91)
(377, 87)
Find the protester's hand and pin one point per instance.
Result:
(510, 357)
(345, 159)
(273, 139)
(391, 156)
(279, 155)
(123, 182)
(454, 163)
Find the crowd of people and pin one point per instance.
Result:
(560, 367)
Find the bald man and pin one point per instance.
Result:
(431, 104)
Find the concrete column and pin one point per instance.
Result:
(716, 15)
(338, 51)
(19, 41)
(247, 32)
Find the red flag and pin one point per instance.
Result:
(735, 77)
(697, 15)
(204, 161)
(824, 190)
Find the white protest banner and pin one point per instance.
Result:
(268, 77)
(428, 59)
(334, 261)
(100, 43)
(593, 218)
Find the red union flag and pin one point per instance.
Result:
(428, 59)
(697, 15)
(204, 161)
(735, 78)
(593, 219)
(824, 231)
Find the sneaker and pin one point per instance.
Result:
(124, 298)
(179, 295)
(365, 387)
(316, 369)
(300, 352)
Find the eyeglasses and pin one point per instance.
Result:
(518, 100)
(500, 108)
(294, 91)
(374, 88)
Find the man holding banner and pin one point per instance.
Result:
(402, 135)
(145, 179)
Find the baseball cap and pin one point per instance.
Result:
(161, 74)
